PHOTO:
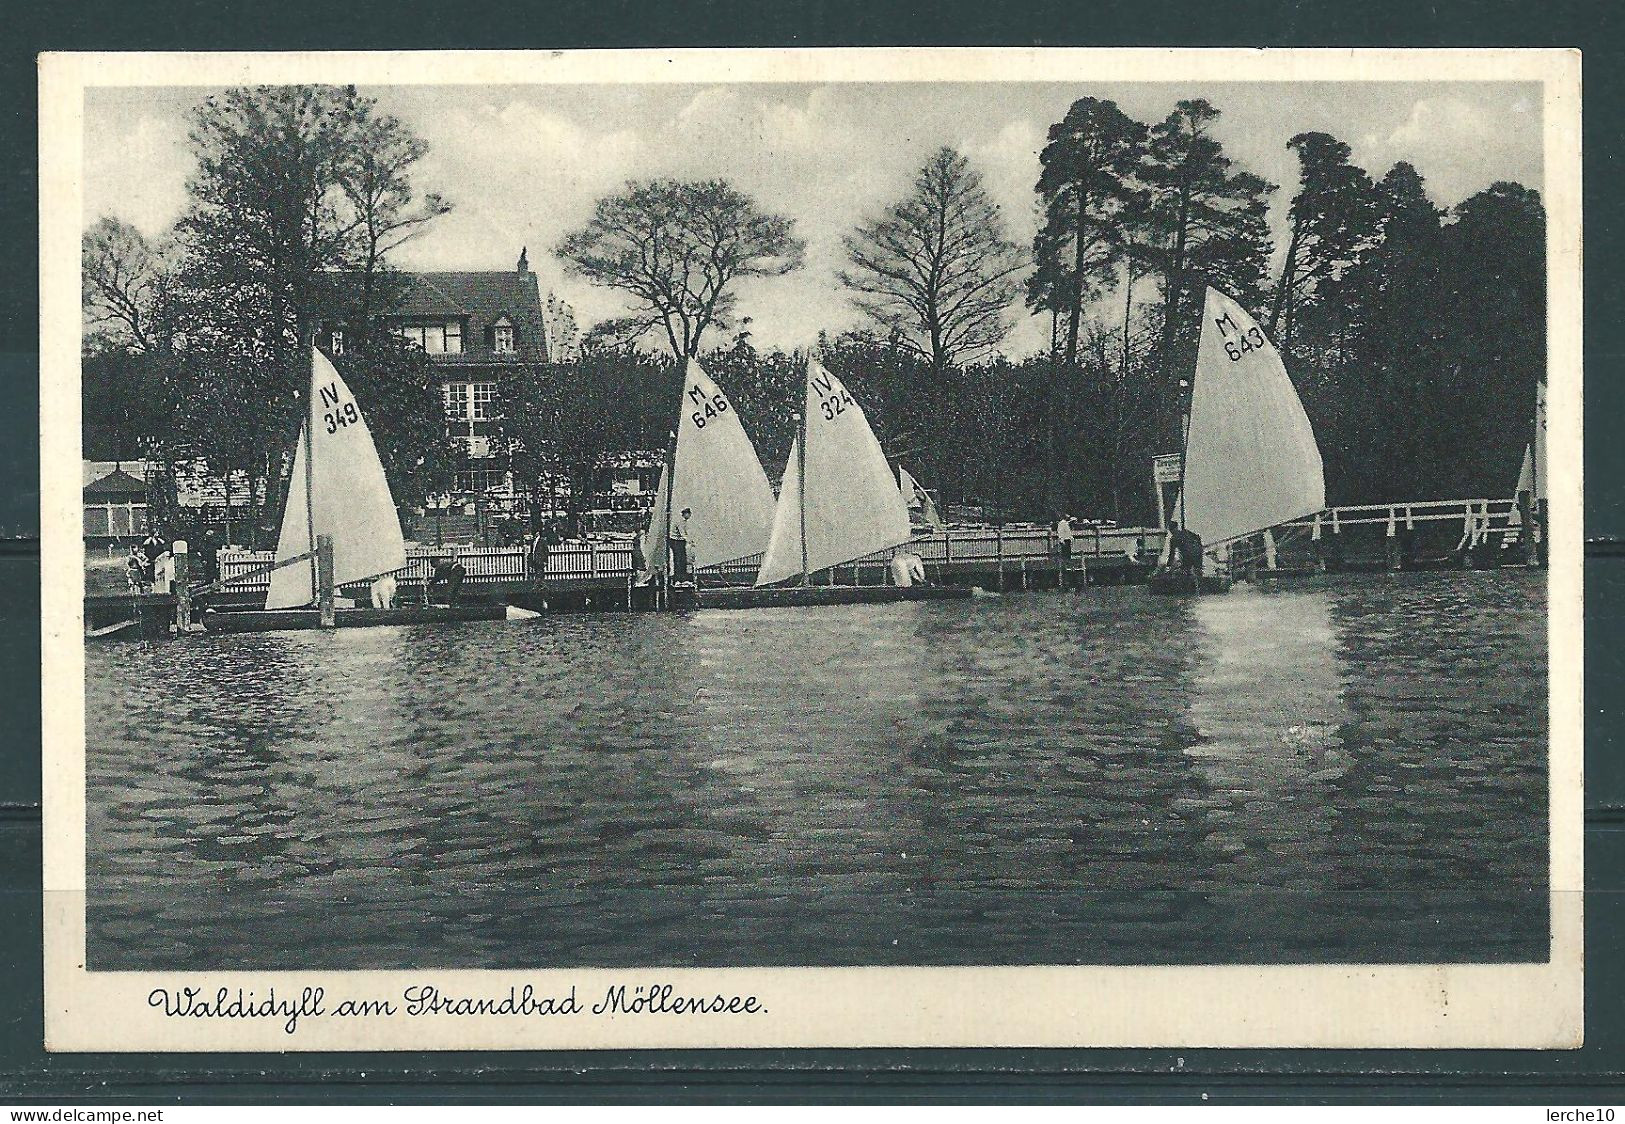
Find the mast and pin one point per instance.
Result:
(671, 484)
(1534, 445)
(801, 483)
(310, 471)
(1184, 451)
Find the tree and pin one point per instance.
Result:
(1206, 222)
(299, 195)
(937, 270)
(575, 419)
(129, 401)
(1089, 167)
(128, 287)
(377, 182)
(1388, 356)
(1493, 351)
(1332, 220)
(405, 412)
(677, 249)
(270, 215)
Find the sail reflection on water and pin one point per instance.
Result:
(1268, 706)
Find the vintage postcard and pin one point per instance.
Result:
(749, 548)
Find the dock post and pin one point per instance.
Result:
(1526, 528)
(1540, 526)
(1392, 553)
(324, 580)
(181, 583)
(999, 555)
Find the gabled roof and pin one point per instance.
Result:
(118, 482)
(95, 470)
(482, 298)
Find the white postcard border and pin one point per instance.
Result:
(1465, 1005)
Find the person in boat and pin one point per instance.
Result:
(384, 591)
(447, 580)
(908, 569)
(678, 538)
(1184, 549)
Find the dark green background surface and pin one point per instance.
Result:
(1590, 1075)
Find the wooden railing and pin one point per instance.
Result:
(576, 561)
(1480, 520)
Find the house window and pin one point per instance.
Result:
(481, 480)
(504, 339)
(437, 337)
(338, 342)
(484, 395)
(455, 395)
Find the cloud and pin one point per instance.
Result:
(524, 165)
(136, 171)
(1008, 162)
(1459, 142)
(1445, 120)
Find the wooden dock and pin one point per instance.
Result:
(597, 576)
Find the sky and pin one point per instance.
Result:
(523, 165)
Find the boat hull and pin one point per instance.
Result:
(283, 620)
(809, 595)
(1176, 583)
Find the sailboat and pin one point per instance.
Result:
(838, 502)
(712, 471)
(1250, 461)
(339, 525)
(1528, 512)
(838, 499)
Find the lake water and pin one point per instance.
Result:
(1349, 768)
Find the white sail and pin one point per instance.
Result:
(837, 486)
(719, 479)
(1526, 474)
(1540, 442)
(654, 535)
(350, 498)
(1251, 460)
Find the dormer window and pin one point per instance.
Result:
(502, 340)
(437, 337)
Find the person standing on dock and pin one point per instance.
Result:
(540, 546)
(640, 564)
(151, 547)
(1063, 547)
(136, 572)
(678, 538)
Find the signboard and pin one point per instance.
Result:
(1165, 469)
